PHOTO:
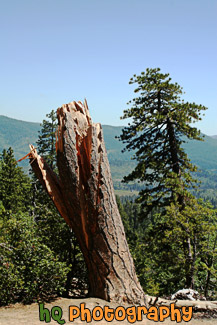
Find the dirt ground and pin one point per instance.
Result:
(19, 314)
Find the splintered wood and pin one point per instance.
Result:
(84, 196)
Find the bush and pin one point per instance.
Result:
(29, 271)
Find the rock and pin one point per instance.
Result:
(186, 294)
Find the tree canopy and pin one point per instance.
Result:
(15, 185)
(160, 124)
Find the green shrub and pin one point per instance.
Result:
(29, 271)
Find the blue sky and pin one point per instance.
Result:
(56, 51)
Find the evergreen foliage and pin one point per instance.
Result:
(157, 244)
(46, 139)
(160, 119)
(29, 270)
(170, 252)
(15, 185)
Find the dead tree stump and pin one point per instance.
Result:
(84, 196)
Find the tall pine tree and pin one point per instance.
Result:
(161, 122)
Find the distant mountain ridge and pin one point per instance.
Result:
(18, 134)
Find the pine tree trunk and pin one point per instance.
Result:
(84, 196)
(190, 264)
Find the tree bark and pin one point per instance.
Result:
(84, 196)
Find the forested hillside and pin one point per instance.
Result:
(18, 135)
(27, 209)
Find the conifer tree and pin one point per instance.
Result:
(161, 122)
(46, 148)
(15, 185)
(46, 139)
